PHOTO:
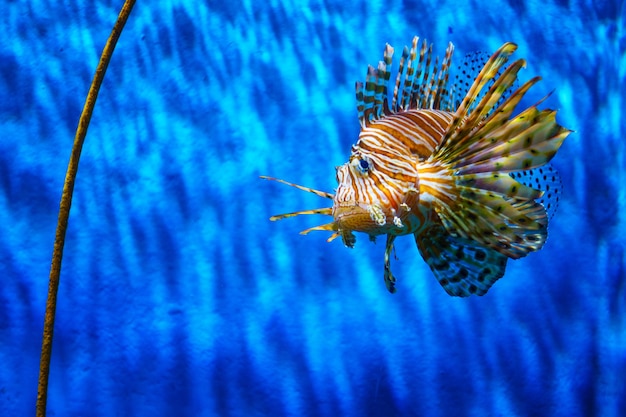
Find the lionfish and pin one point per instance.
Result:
(464, 175)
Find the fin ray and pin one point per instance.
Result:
(546, 179)
(326, 211)
(469, 179)
(331, 227)
(419, 84)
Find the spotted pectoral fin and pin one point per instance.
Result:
(461, 266)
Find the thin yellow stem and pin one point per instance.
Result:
(66, 202)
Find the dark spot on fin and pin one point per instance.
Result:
(461, 266)
(546, 179)
(463, 76)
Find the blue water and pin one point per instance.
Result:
(179, 297)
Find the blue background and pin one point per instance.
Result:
(179, 298)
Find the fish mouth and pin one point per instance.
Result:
(359, 217)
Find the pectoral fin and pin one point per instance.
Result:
(461, 266)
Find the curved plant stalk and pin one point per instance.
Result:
(66, 202)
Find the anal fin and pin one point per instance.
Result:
(461, 266)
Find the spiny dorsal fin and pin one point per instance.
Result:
(418, 85)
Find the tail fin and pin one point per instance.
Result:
(467, 178)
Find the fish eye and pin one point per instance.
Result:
(362, 165)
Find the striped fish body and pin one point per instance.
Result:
(460, 172)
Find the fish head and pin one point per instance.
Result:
(350, 212)
(370, 200)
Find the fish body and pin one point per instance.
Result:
(456, 169)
